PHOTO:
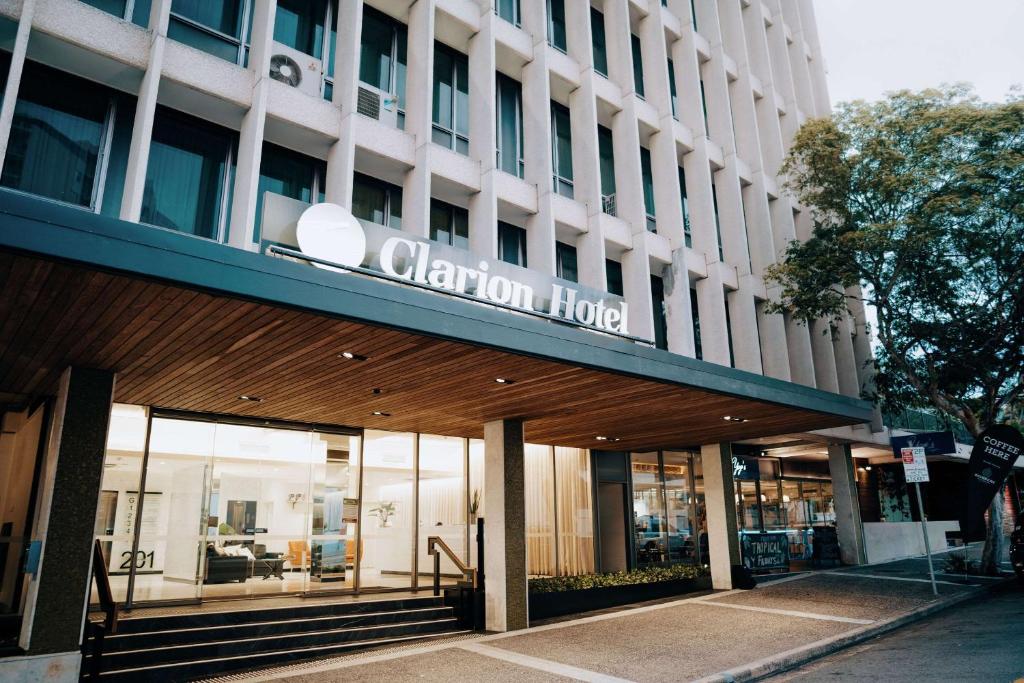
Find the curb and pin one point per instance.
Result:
(795, 657)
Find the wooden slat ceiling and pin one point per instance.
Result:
(191, 350)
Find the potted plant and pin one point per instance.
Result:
(384, 510)
(474, 506)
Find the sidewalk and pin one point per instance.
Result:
(722, 636)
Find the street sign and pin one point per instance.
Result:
(934, 443)
(915, 467)
(992, 458)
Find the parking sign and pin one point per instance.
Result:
(915, 467)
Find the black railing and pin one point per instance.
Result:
(95, 631)
(467, 595)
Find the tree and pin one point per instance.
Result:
(918, 206)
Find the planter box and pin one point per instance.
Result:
(546, 605)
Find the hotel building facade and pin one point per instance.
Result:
(183, 373)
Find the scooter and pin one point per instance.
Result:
(1017, 548)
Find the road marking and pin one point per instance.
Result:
(900, 578)
(785, 579)
(790, 613)
(974, 577)
(547, 665)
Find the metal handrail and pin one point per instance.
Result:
(433, 542)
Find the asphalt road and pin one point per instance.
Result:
(977, 641)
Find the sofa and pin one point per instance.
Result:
(223, 568)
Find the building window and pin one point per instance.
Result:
(695, 317)
(300, 25)
(449, 224)
(559, 511)
(638, 66)
(606, 154)
(648, 180)
(613, 274)
(598, 42)
(556, 24)
(693, 14)
(190, 175)
(59, 137)
(511, 244)
(728, 333)
(718, 223)
(672, 479)
(509, 112)
(672, 88)
(658, 309)
(685, 206)
(565, 262)
(289, 174)
(704, 108)
(508, 10)
(561, 150)
(136, 12)
(451, 99)
(219, 27)
(377, 201)
(382, 62)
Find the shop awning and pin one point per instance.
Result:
(193, 325)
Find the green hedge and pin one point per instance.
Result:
(557, 584)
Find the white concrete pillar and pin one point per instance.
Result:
(145, 112)
(714, 333)
(844, 488)
(746, 342)
(636, 285)
(483, 206)
(720, 505)
(678, 311)
(774, 347)
(816, 66)
(846, 363)
(587, 179)
(540, 227)
(250, 137)
(505, 584)
(825, 376)
(418, 117)
(17, 65)
(341, 155)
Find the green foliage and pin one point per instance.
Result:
(918, 207)
(558, 584)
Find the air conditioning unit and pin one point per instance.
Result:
(297, 69)
(377, 104)
(608, 204)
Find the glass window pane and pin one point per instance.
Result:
(648, 180)
(659, 314)
(540, 511)
(638, 66)
(512, 244)
(286, 173)
(115, 7)
(597, 38)
(648, 510)
(509, 125)
(575, 511)
(442, 501)
(375, 50)
(607, 157)
(387, 510)
(185, 179)
(682, 521)
(183, 32)
(613, 273)
(556, 23)
(565, 262)
(562, 143)
(224, 16)
(300, 24)
(508, 10)
(443, 89)
(440, 222)
(119, 493)
(368, 200)
(460, 228)
(462, 95)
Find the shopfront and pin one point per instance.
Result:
(236, 508)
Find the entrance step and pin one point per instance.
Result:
(206, 643)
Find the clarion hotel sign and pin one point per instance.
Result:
(333, 236)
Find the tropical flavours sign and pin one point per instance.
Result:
(339, 241)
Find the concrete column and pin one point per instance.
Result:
(250, 137)
(587, 181)
(68, 493)
(145, 113)
(483, 206)
(774, 349)
(505, 589)
(713, 330)
(746, 343)
(418, 117)
(17, 65)
(809, 29)
(341, 155)
(846, 363)
(678, 312)
(720, 501)
(844, 488)
(540, 227)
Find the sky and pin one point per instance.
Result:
(873, 46)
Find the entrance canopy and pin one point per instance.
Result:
(195, 325)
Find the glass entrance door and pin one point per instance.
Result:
(334, 546)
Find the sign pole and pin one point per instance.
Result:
(927, 544)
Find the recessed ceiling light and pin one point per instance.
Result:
(606, 438)
(504, 380)
(867, 468)
(381, 413)
(733, 418)
(254, 399)
(351, 356)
